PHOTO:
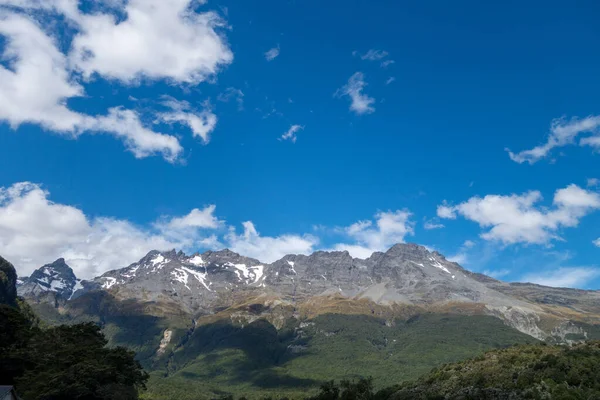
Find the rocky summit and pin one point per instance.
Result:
(56, 279)
(405, 280)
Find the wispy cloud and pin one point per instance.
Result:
(360, 102)
(372, 55)
(562, 133)
(390, 80)
(497, 273)
(230, 94)
(387, 63)
(272, 54)
(291, 133)
(201, 123)
(564, 277)
(432, 224)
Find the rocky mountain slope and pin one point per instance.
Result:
(221, 320)
(407, 279)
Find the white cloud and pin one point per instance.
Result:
(460, 258)
(468, 244)
(593, 182)
(574, 277)
(361, 103)
(387, 63)
(445, 211)
(391, 79)
(36, 87)
(35, 231)
(597, 242)
(268, 249)
(388, 229)
(197, 218)
(141, 141)
(291, 133)
(517, 219)
(431, 224)
(373, 55)
(202, 123)
(272, 54)
(562, 133)
(159, 39)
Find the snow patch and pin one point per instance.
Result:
(291, 264)
(201, 277)
(131, 272)
(110, 282)
(196, 260)
(157, 260)
(249, 275)
(181, 276)
(55, 285)
(437, 264)
(78, 286)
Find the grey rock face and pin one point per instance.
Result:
(56, 278)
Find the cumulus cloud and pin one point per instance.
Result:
(360, 102)
(197, 218)
(141, 141)
(37, 85)
(562, 133)
(571, 277)
(268, 248)
(157, 40)
(445, 211)
(519, 219)
(272, 54)
(387, 229)
(597, 242)
(291, 133)
(35, 231)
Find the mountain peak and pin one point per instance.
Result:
(56, 277)
(403, 249)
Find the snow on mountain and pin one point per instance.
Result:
(56, 277)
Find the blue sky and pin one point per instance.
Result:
(345, 125)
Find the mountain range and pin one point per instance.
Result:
(240, 322)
